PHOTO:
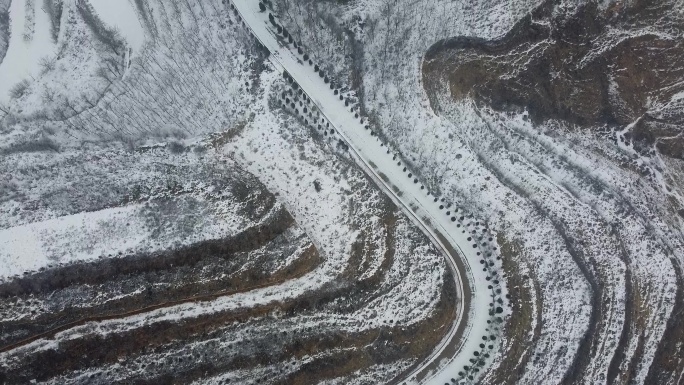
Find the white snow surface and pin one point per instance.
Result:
(89, 235)
(22, 60)
(29, 247)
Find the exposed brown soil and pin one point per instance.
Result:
(168, 277)
(337, 354)
(597, 69)
(102, 350)
(584, 65)
(114, 268)
(454, 297)
(50, 324)
(518, 331)
(669, 358)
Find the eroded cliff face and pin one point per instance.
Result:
(616, 65)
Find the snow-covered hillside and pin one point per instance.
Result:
(163, 219)
(176, 209)
(591, 227)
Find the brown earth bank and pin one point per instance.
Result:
(590, 66)
(223, 340)
(519, 330)
(141, 282)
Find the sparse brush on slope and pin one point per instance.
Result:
(19, 89)
(29, 20)
(175, 86)
(538, 182)
(54, 10)
(109, 37)
(4, 28)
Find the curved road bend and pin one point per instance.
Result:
(445, 229)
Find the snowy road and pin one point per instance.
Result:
(447, 227)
